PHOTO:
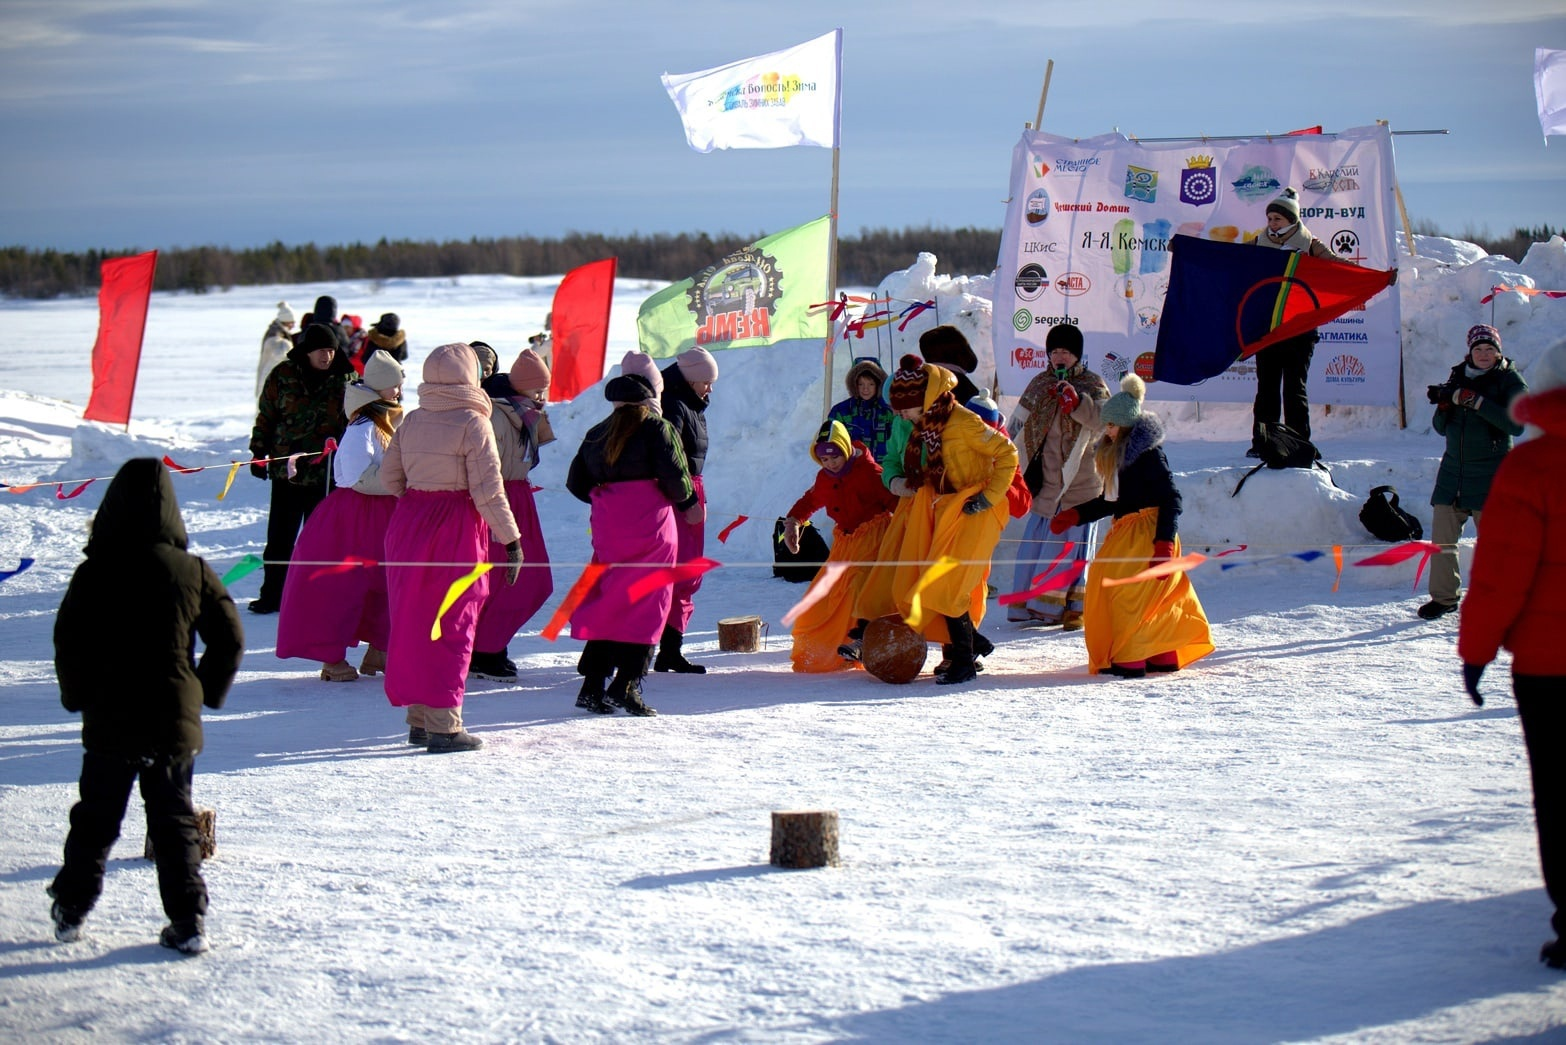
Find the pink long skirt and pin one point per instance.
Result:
(692, 542)
(633, 527)
(436, 526)
(328, 608)
(510, 606)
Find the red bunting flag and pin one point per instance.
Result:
(573, 599)
(125, 287)
(580, 326)
(723, 534)
(655, 579)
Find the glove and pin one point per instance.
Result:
(1068, 395)
(258, 469)
(514, 562)
(1064, 521)
(1468, 397)
(1163, 551)
(695, 515)
(791, 535)
(1471, 675)
(976, 504)
(901, 487)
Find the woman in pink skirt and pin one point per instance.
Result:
(329, 605)
(631, 469)
(443, 467)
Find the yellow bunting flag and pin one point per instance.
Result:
(233, 470)
(453, 593)
(938, 569)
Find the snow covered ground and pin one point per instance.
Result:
(1310, 835)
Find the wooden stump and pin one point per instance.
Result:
(739, 634)
(807, 838)
(206, 825)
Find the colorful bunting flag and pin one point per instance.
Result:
(817, 591)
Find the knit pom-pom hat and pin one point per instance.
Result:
(909, 383)
(1287, 204)
(1125, 406)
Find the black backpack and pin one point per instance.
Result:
(1386, 521)
(1280, 446)
(802, 566)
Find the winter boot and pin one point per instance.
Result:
(627, 693)
(67, 920)
(461, 740)
(961, 668)
(592, 696)
(854, 648)
(1163, 662)
(374, 662)
(491, 666)
(1135, 670)
(1071, 620)
(342, 671)
(418, 736)
(670, 658)
(187, 936)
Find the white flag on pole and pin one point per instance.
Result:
(1549, 84)
(788, 97)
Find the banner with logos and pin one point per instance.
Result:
(1086, 242)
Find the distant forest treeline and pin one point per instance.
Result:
(863, 260)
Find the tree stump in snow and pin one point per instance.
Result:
(206, 826)
(807, 838)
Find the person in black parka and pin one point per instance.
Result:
(138, 603)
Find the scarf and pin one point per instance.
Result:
(1043, 408)
(385, 416)
(922, 461)
(454, 397)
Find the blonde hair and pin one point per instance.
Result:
(1108, 458)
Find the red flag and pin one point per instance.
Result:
(1305, 130)
(580, 327)
(126, 284)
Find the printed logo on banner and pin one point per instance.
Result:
(1031, 281)
(1114, 368)
(1141, 184)
(1144, 366)
(1073, 283)
(1199, 182)
(1066, 165)
(1327, 180)
(736, 297)
(1022, 319)
(1147, 320)
(1027, 357)
(1040, 168)
(1256, 183)
(1345, 244)
(1094, 207)
(1345, 370)
(1035, 247)
(1038, 206)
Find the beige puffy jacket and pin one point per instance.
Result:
(447, 444)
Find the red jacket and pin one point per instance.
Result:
(851, 498)
(1517, 587)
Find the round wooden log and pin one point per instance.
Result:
(206, 825)
(893, 652)
(807, 838)
(739, 634)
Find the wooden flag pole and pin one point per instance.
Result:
(1038, 121)
(827, 353)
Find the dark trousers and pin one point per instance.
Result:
(171, 822)
(1281, 373)
(1541, 705)
(602, 658)
(291, 506)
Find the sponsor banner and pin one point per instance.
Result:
(1086, 241)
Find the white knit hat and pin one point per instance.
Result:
(1548, 371)
(381, 371)
(284, 313)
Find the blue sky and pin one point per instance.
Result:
(185, 122)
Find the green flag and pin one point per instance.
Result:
(755, 296)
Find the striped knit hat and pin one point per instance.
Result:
(909, 382)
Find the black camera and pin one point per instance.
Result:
(1438, 394)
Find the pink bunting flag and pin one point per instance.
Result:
(818, 590)
(1402, 553)
(1041, 582)
(573, 599)
(178, 468)
(654, 579)
(1185, 562)
(723, 534)
(61, 495)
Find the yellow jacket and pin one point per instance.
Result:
(973, 453)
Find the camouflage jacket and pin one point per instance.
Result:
(298, 412)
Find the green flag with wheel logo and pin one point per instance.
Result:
(755, 296)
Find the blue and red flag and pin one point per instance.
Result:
(1228, 301)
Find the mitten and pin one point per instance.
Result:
(1163, 551)
(1471, 676)
(1468, 397)
(514, 562)
(1068, 395)
(976, 504)
(791, 535)
(695, 515)
(258, 469)
(900, 486)
(1064, 521)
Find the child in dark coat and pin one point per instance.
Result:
(143, 719)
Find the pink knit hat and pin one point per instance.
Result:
(697, 364)
(529, 371)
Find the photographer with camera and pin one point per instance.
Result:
(1471, 412)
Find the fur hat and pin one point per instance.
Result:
(325, 310)
(864, 367)
(489, 362)
(832, 433)
(985, 407)
(1067, 336)
(317, 335)
(697, 364)
(381, 371)
(909, 382)
(1125, 406)
(285, 315)
(1287, 204)
(388, 324)
(627, 390)
(945, 346)
(529, 371)
(1482, 332)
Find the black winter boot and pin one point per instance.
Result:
(961, 652)
(626, 689)
(592, 696)
(670, 658)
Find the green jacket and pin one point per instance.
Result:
(1476, 438)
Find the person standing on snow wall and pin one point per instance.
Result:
(687, 389)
